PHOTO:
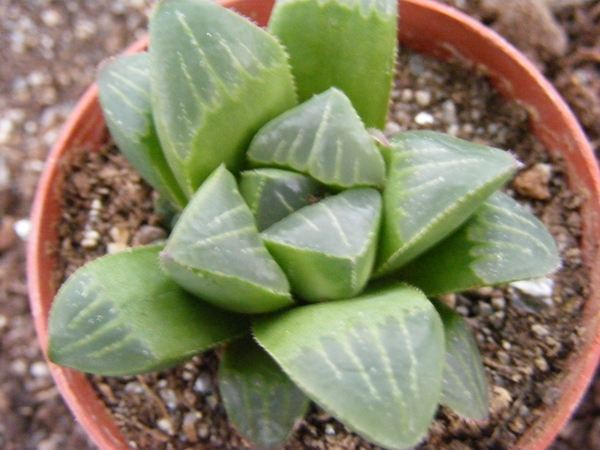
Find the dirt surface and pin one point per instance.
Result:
(48, 55)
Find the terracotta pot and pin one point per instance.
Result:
(425, 26)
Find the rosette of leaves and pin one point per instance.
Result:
(305, 250)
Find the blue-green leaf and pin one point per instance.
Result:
(348, 44)
(324, 138)
(435, 182)
(216, 79)
(124, 92)
(273, 194)
(215, 251)
(121, 315)
(260, 399)
(465, 388)
(372, 362)
(327, 250)
(501, 243)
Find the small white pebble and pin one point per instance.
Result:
(6, 129)
(4, 174)
(423, 98)
(96, 205)
(540, 288)
(449, 113)
(3, 321)
(329, 430)
(134, 387)
(424, 118)
(22, 228)
(392, 128)
(453, 130)
(212, 401)
(169, 397)
(39, 369)
(541, 364)
(50, 17)
(85, 29)
(19, 367)
(35, 165)
(498, 302)
(30, 127)
(165, 425)
(407, 95)
(115, 247)
(91, 239)
(539, 330)
(202, 384)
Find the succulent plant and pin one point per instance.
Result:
(308, 251)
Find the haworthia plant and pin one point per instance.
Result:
(300, 235)
(327, 250)
(207, 63)
(373, 361)
(324, 138)
(435, 182)
(501, 242)
(349, 44)
(260, 399)
(124, 92)
(215, 251)
(122, 315)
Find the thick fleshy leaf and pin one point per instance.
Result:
(215, 251)
(435, 182)
(327, 250)
(374, 362)
(260, 399)
(465, 388)
(348, 44)
(501, 243)
(124, 92)
(121, 315)
(216, 79)
(273, 194)
(324, 138)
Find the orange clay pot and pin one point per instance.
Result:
(425, 26)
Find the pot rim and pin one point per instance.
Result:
(498, 58)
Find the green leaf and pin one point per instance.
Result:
(215, 251)
(273, 194)
(121, 315)
(124, 92)
(327, 250)
(501, 243)
(435, 183)
(465, 388)
(260, 399)
(216, 79)
(374, 362)
(348, 44)
(324, 138)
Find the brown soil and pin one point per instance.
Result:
(48, 52)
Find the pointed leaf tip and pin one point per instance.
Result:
(215, 251)
(327, 249)
(435, 183)
(324, 138)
